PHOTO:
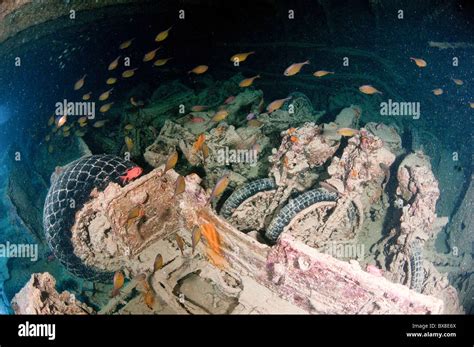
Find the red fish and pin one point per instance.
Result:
(197, 120)
(131, 174)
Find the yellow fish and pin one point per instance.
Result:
(163, 35)
(87, 96)
(99, 124)
(161, 62)
(113, 65)
(78, 85)
(220, 115)
(149, 299)
(171, 162)
(129, 143)
(111, 80)
(200, 69)
(254, 123)
(437, 91)
(205, 151)
(180, 242)
(368, 89)
(248, 81)
(129, 73)
(158, 264)
(240, 57)
(220, 187)
(348, 132)
(83, 124)
(471, 104)
(150, 55)
(126, 44)
(275, 105)
(196, 237)
(51, 121)
(180, 186)
(199, 142)
(294, 68)
(419, 62)
(105, 95)
(129, 127)
(322, 73)
(106, 107)
(82, 119)
(458, 81)
(61, 121)
(119, 281)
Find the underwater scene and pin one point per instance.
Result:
(222, 157)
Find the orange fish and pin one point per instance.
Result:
(61, 121)
(78, 85)
(437, 91)
(293, 139)
(163, 35)
(240, 57)
(200, 69)
(294, 68)
(214, 249)
(285, 161)
(150, 55)
(134, 215)
(119, 281)
(158, 264)
(419, 62)
(131, 174)
(161, 62)
(180, 186)
(205, 151)
(149, 299)
(198, 143)
(291, 131)
(198, 108)
(126, 44)
(248, 81)
(368, 89)
(220, 115)
(113, 65)
(275, 105)
(180, 243)
(220, 187)
(171, 162)
(322, 73)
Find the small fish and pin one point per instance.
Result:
(149, 299)
(437, 91)
(294, 68)
(158, 264)
(198, 143)
(150, 55)
(457, 81)
(134, 215)
(99, 123)
(220, 115)
(129, 143)
(348, 132)
(171, 162)
(136, 103)
(111, 80)
(254, 123)
(180, 186)
(106, 107)
(419, 62)
(205, 151)
(198, 108)
(105, 95)
(47, 138)
(129, 127)
(180, 242)
(368, 89)
(131, 174)
(322, 73)
(66, 134)
(79, 84)
(285, 161)
(129, 73)
(79, 133)
(240, 57)
(126, 44)
(220, 187)
(214, 250)
(87, 96)
(328, 187)
(198, 70)
(50, 149)
(471, 104)
(163, 35)
(293, 139)
(275, 105)
(82, 119)
(196, 237)
(119, 281)
(229, 100)
(51, 121)
(161, 62)
(113, 65)
(248, 81)
(250, 116)
(197, 120)
(83, 124)
(61, 121)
